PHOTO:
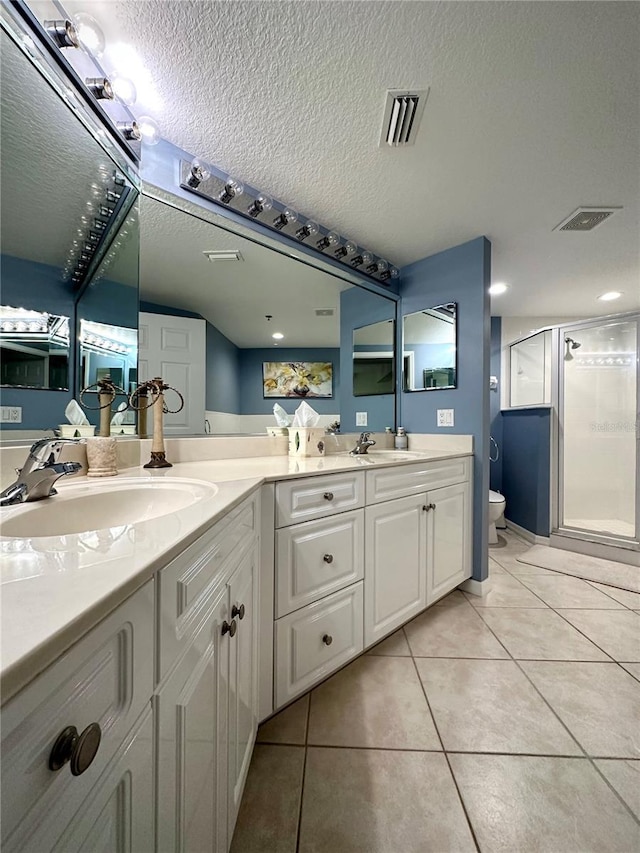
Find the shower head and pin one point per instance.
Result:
(574, 344)
(570, 344)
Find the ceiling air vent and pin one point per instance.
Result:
(586, 218)
(324, 312)
(402, 113)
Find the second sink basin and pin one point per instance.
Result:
(115, 503)
(388, 455)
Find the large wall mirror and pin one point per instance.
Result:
(56, 212)
(430, 348)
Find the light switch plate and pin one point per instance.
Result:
(361, 418)
(11, 414)
(445, 417)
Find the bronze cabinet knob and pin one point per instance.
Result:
(427, 507)
(78, 749)
(328, 496)
(238, 611)
(229, 628)
(328, 558)
(327, 639)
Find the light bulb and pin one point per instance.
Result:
(149, 130)
(367, 259)
(330, 239)
(100, 88)
(89, 33)
(199, 173)
(286, 217)
(124, 89)
(263, 202)
(309, 229)
(232, 188)
(394, 272)
(383, 266)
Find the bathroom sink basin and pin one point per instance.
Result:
(77, 509)
(388, 455)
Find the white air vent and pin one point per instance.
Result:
(586, 218)
(324, 312)
(213, 255)
(402, 113)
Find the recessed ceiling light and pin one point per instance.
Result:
(498, 288)
(278, 336)
(610, 296)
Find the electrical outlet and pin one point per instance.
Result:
(361, 418)
(445, 417)
(11, 414)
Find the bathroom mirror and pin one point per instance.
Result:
(34, 349)
(429, 348)
(373, 359)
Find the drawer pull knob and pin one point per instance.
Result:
(328, 558)
(327, 639)
(229, 628)
(427, 507)
(328, 496)
(78, 749)
(238, 611)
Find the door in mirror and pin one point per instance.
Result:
(430, 348)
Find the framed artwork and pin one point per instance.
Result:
(301, 379)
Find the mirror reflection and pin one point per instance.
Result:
(108, 351)
(34, 349)
(373, 359)
(429, 348)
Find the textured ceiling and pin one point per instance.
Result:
(533, 111)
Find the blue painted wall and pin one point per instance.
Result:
(252, 401)
(526, 446)
(494, 403)
(359, 308)
(38, 287)
(461, 275)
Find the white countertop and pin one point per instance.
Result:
(53, 589)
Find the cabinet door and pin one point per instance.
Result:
(395, 565)
(243, 678)
(191, 710)
(449, 539)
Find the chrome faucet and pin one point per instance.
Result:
(39, 472)
(362, 444)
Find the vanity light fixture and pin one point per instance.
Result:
(377, 266)
(392, 272)
(90, 33)
(63, 33)
(330, 239)
(349, 248)
(149, 130)
(124, 89)
(263, 202)
(309, 229)
(364, 259)
(130, 130)
(232, 188)
(100, 88)
(285, 218)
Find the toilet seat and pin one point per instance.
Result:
(496, 497)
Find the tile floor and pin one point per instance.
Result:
(509, 723)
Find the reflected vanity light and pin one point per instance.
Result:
(278, 336)
(89, 33)
(610, 296)
(149, 130)
(63, 33)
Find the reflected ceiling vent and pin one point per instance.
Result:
(223, 255)
(586, 218)
(402, 113)
(324, 312)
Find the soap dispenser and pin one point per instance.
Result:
(401, 440)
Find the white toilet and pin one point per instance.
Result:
(497, 504)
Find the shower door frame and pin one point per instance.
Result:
(557, 438)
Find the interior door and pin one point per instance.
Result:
(175, 349)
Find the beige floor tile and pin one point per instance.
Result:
(514, 567)
(565, 591)
(376, 702)
(617, 632)
(495, 568)
(289, 726)
(490, 706)
(453, 598)
(367, 801)
(539, 634)
(624, 596)
(506, 591)
(633, 668)
(521, 804)
(268, 818)
(452, 632)
(625, 778)
(598, 702)
(394, 646)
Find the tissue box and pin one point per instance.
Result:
(123, 429)
(306, 441)
(76, 431)
(276, 431)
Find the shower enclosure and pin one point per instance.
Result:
(597, 441)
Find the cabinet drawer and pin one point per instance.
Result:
(317, 558)
(314, 497)
(388, 483)
(185, 586)
(303, 656)
(106, 678)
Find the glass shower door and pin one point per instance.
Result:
(599, 411)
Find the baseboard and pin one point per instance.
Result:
(480, 588)
(527, 535)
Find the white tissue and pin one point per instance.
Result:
(117, 419)
(74, 414)
(305, 416)
(282, 418)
